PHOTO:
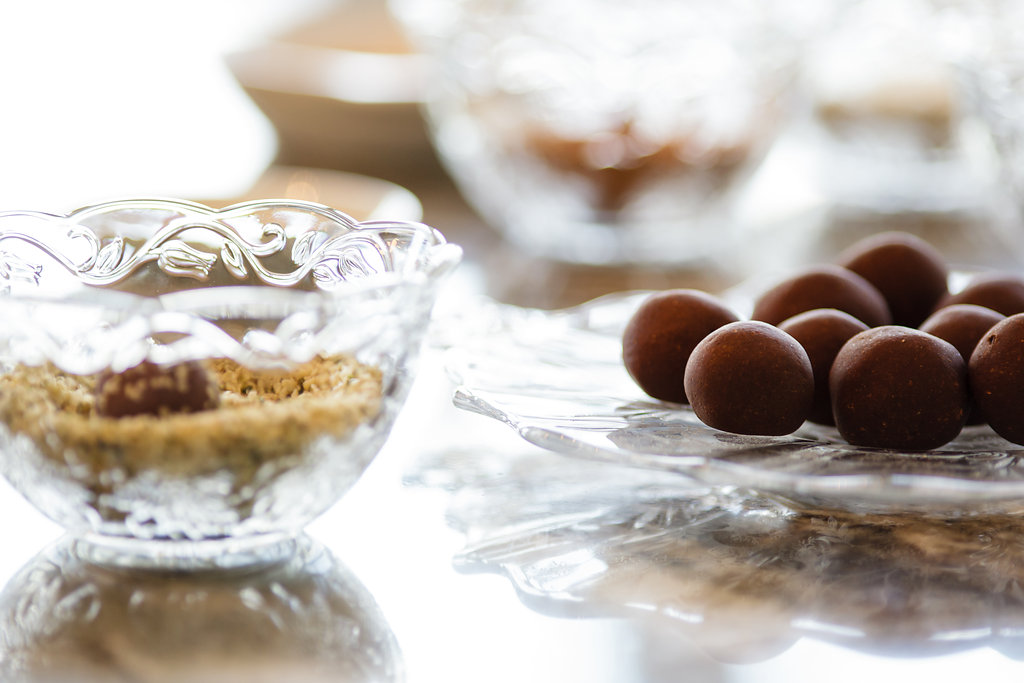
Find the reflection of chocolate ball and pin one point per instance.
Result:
(822, 332)
(910, 273)
(1002, 292)
(899, 388)
(997, 378)
(824, 286)
(151, 389)
(661, 334)
(963, 326)
(750, 378)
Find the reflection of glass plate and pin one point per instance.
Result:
(741, 577)
(557, 379)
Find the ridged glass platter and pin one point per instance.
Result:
(556, 377)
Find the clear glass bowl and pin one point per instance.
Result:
(984, 43)
(309, 321)
(883, 119)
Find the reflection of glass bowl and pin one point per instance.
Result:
(309, 321)
(304, 619)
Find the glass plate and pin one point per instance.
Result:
(556, 377)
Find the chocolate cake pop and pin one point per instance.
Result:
(823, 286)
(1002, 292)
(822, 332)
(899, 388)
(910, 273)
(749, 377)
(963, 326)
(997, 378)
(661, 334)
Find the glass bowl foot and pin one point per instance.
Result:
(185, 555)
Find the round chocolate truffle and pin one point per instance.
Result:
(822, 332)
(151, 389)
(910, 273)
(662, 333)
(963, 326)
(899, 388)
(749, 377)
(824, 286)
(997, 378)
(1002, 292)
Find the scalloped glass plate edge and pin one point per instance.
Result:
(858, 493)
(891, 492)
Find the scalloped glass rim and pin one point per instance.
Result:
(334, 267)
(425, 238)
(579, 401)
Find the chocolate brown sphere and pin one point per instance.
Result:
(749, 377)
(1002, 292)
(898, 388)
(910, 273)
(662, 333)
(963, 326)
(151, 389)
(824, 286)
(997, 378)
(822, 332)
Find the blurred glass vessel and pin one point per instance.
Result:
(885, 114)
(602, 132)
(986, 46)
(309, 322)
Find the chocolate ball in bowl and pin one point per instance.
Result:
(910, 273)
(899, 388)
(662, 333)
(997, 378)
(750, 377)
(822, 332)
(151, 389)
(1002, 292)
(823, 286)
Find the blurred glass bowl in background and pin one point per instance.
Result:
(983, 38)
(593, 131)
(308, 321)
(340, 89)
(885, 115)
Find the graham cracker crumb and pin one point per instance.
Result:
(262, 417)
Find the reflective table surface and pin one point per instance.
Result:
(465, 554)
